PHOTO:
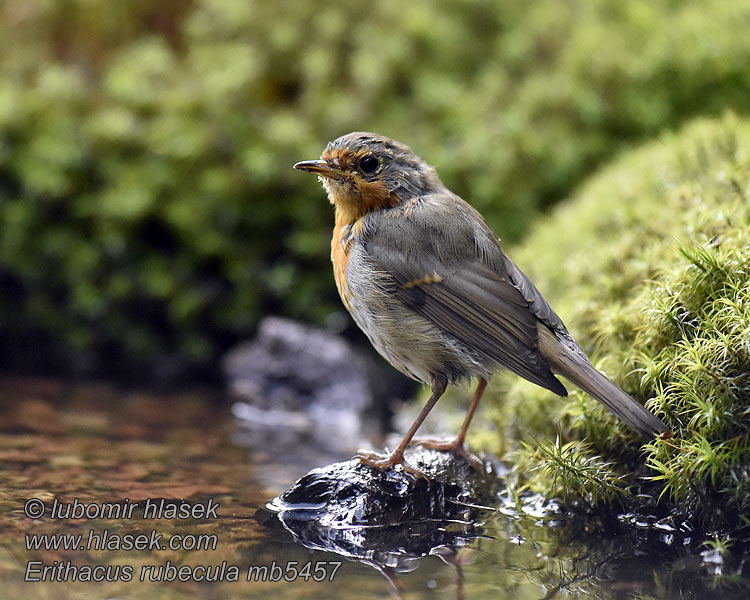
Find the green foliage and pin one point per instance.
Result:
(147, 204)
(648, 266)
(571, 471)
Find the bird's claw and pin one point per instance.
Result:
(455, 446)
(386, 461)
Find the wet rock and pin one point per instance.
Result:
(389, 517)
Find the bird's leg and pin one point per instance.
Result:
(457, 443)
(397, 456)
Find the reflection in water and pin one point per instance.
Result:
(389, 549)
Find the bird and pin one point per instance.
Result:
(429, 283)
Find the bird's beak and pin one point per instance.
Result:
(319, 167)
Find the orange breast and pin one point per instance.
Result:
(340, 259)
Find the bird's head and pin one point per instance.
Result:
(364, 171)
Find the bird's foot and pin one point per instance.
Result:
(455, 446)
(386, 461)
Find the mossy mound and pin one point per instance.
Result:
(649, 266)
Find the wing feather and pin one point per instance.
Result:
(452, 286)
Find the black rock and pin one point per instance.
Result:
(388, 517)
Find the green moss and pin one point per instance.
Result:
(569, 471)
(649, 266)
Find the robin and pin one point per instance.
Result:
(425, 277)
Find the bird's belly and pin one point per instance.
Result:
(411, 343)
(403, 339)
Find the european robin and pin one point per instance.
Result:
(427, 280)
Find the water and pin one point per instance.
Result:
(84, 445)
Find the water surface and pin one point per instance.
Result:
(89, 444)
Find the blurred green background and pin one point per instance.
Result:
(149, 215)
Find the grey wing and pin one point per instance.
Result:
(537, 303)
(438, 272)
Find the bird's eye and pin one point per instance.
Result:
(368, 165)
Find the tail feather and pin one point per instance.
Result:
(569, 361)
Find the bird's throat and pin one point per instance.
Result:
(356, 199)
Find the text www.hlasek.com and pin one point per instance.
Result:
(113, 541)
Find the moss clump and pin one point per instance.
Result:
(649, 265)
(570, 471)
